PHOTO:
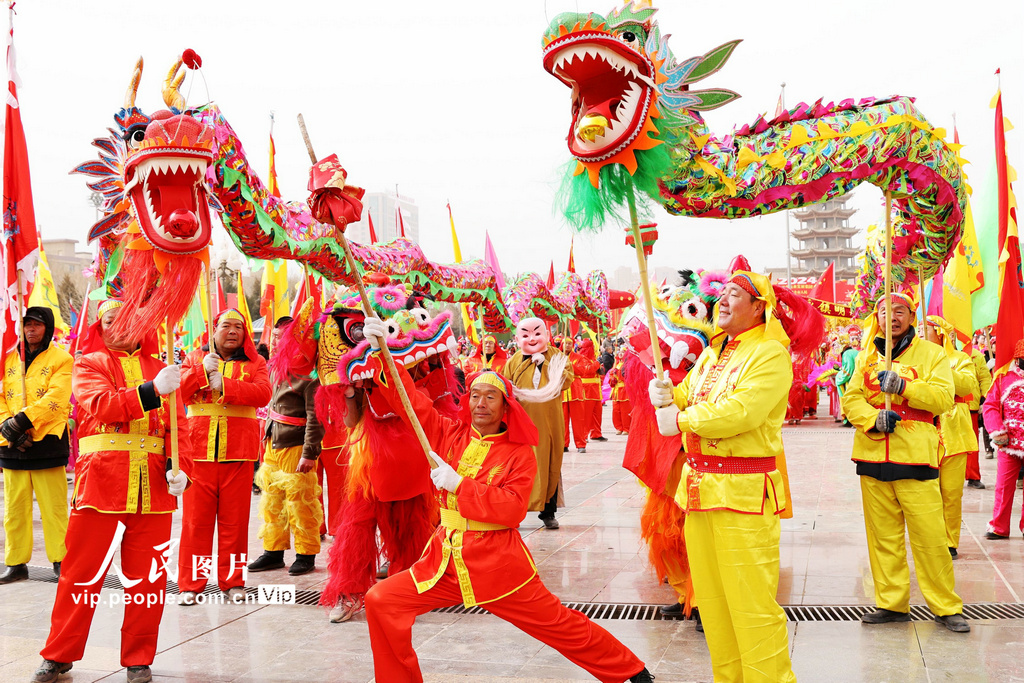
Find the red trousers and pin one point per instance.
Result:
(143, 548)
(621, 417)
(973, 466)
(575, 413)
(332, 465)
(593, 407)
(220, 496)
(393, 605)
(1007, 470)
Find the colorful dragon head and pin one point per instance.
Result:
(629, 96)
(683, 316)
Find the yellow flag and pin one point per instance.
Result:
(274, 299)
(243, 305)
(44, 294)
(960, 279)
(466, 321)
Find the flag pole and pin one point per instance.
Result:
(21, 342)
(923, 312)
(645, 286)
(209, 310)
(888, 291)
(389, 361)
(172, 446)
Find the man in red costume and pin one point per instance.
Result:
(592, 392)
(124, 496)
(574, 398)
(223, 387)
(476, 556)
(489, 356)
(621, 417)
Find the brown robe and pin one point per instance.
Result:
(548, 418)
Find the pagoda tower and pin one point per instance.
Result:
(824, 236)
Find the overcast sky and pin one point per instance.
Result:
(450, 101)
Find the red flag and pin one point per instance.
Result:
(401, 223)
(308, 287)
(1009, 327)
(373, 233)
(220, 301)
(550, 283)
(572, 263)
(825, 288)
(20, 240)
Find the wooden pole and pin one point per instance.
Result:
(389, 361)
(209, 309)
(21, 341)
(645, 286)
(888, 290)
(172, 445)
(921, 309)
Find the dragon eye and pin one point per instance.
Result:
(135, 137)
(629, 36)
(421, 316)
(393, 328)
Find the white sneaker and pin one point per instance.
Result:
(187, 598)
(236, 595)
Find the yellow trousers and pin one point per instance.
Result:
(290, 502)
(51, 489)
(952, 474)
(892, 508)
(734, 564)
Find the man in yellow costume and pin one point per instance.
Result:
(958, 437)
(34, 444)
(897, 456)
(730, 409)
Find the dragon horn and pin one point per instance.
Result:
(172, 96)
(133, 88)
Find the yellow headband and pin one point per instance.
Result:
(760, 287)
(492, 379)
(110, 305)
(232, 314)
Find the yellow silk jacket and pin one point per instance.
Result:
(48, 384)
(732, 404)
(955, 426)
(984, 378)
(929, 388)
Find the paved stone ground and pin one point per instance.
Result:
(595, 556)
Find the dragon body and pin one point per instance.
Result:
(636, 127)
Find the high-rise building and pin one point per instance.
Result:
(824, 237)
(383, 206)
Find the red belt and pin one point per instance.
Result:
(914, 414)
(286, 419)
(963, 399)
(710, 464)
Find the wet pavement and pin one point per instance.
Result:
(596, 556)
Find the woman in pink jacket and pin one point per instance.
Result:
(1003, 412)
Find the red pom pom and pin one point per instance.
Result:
(191, 59)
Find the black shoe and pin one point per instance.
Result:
(993, 536)
(953, 553)
(975, 484)
(56, 569)
(695, 614)
(644, 676)
(549, 522)
(955, 623)
(139, 674)
(270, 559)
(884, 616)
(599, 438)
(256, 490)
(673, 611)
(50, 670)
(565, 449)
(303, 564)
(14, 572)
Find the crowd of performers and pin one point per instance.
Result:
(413, 531)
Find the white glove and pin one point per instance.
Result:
(660, 391)
(537, 358)
(443, 476)
(167, 380)
(211, 362)
(176, 484)
(373, 330)
(216, 381)
(667, 418)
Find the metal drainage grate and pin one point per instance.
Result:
(631, 612)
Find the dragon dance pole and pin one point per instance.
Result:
(172, 446)
(888, 290)
(21, 342)
(921, 308)
(641, 262)
(364, 299)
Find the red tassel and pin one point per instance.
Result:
(804, 324)
(151, 297)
